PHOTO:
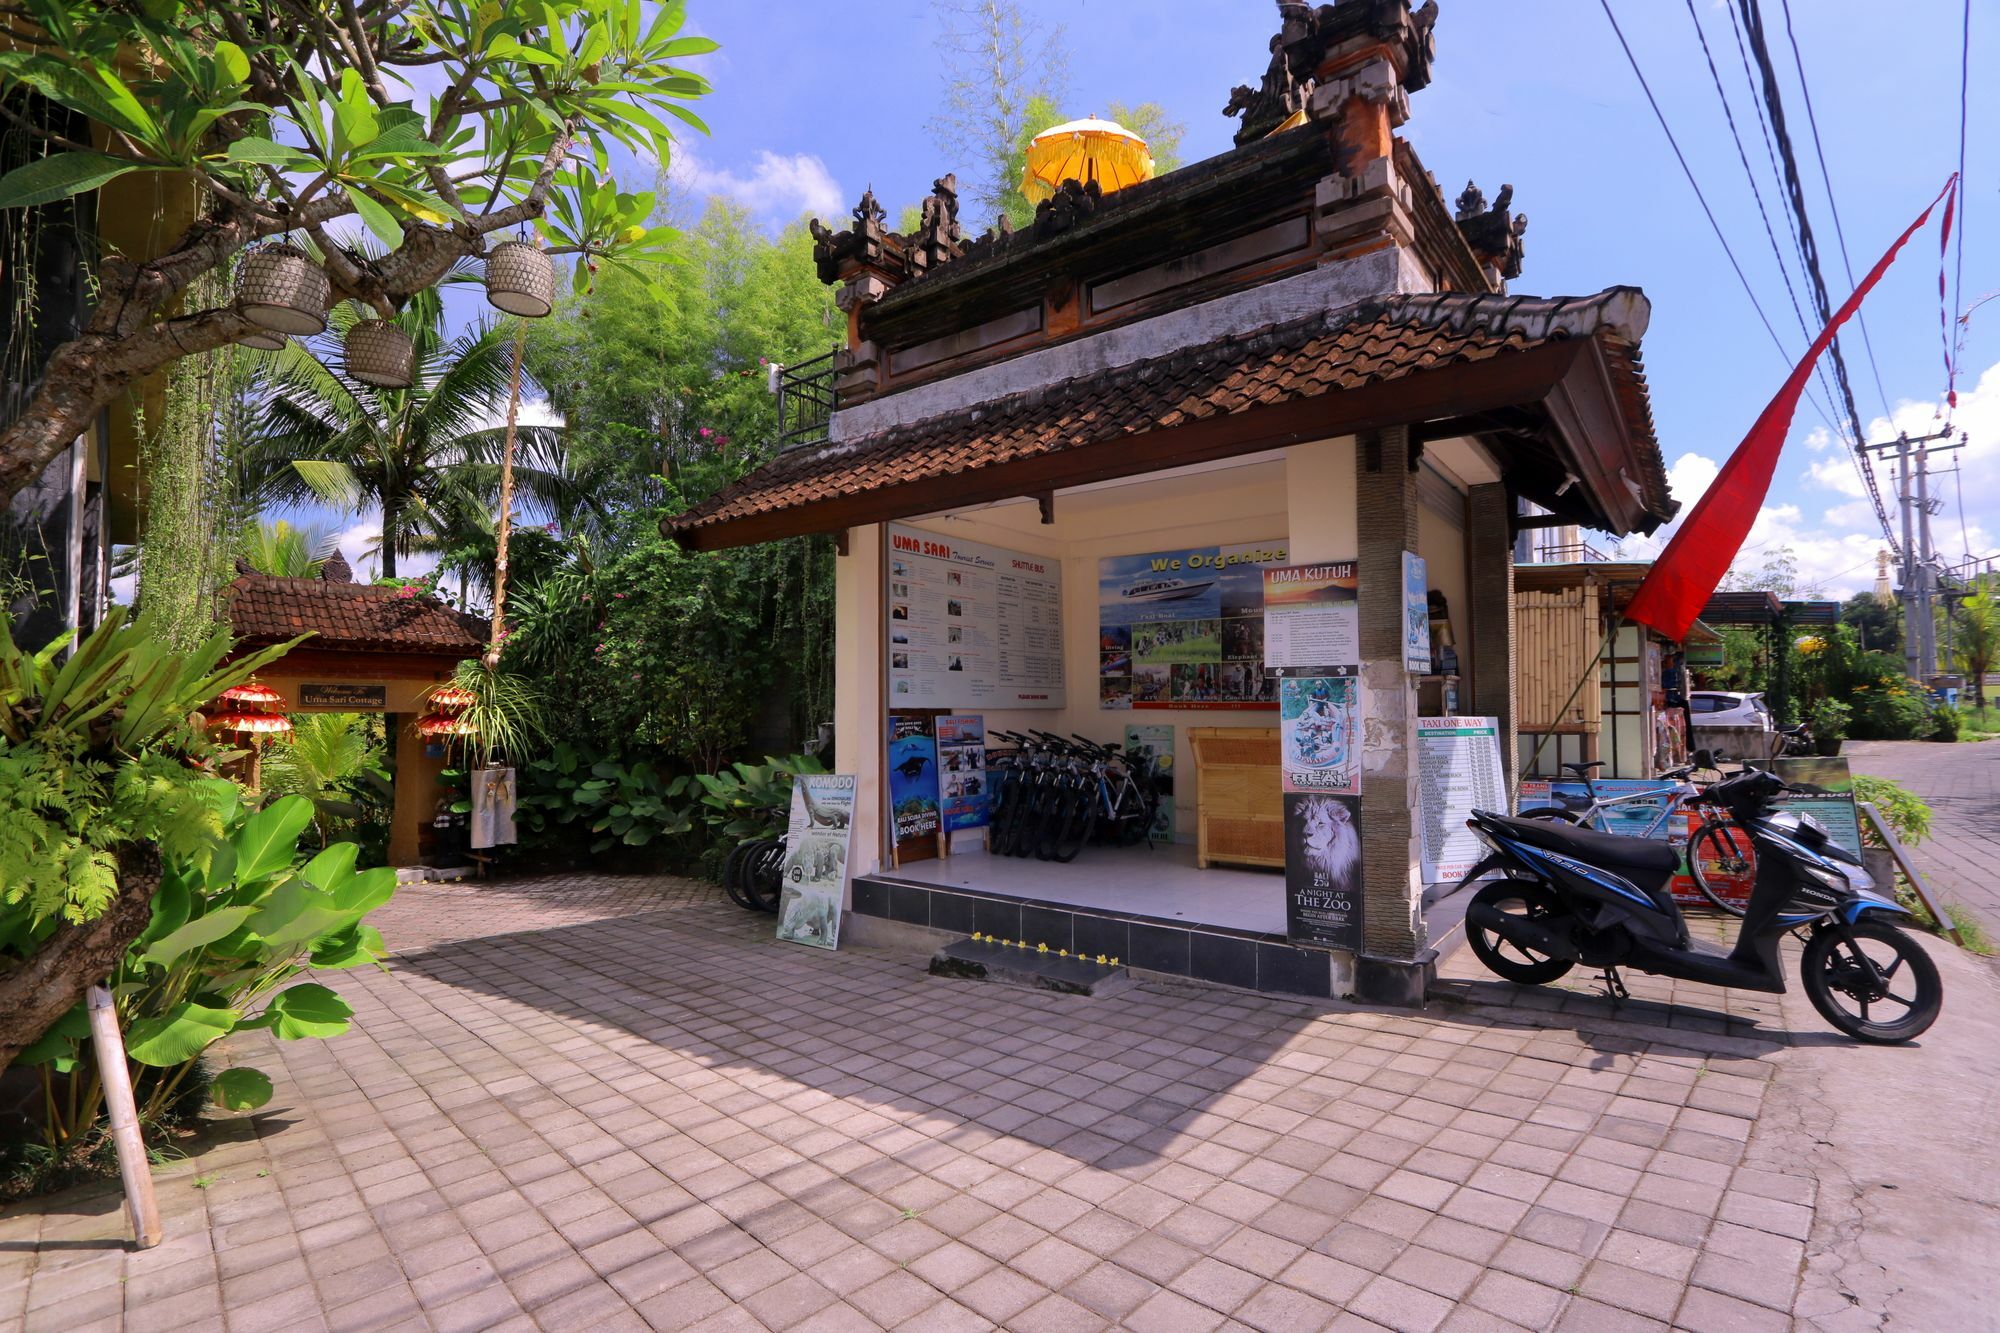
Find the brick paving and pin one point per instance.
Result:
(617, 1103)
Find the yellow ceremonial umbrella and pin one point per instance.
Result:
(1085, 150)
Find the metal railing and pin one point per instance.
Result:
(1562, 553)
(805, 401)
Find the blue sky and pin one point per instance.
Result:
(813, 103)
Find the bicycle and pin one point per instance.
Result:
(1721, 859)
(1054, 795)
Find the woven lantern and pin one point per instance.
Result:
(280, 288)
(520, 280)
(263, 340)
(443, 724)
(381, 354)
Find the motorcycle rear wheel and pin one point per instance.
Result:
(1523, 966)
(1910, 992)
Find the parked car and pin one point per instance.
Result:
(1729, 708)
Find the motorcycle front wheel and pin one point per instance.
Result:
(1523, 966)
(1895, 1000)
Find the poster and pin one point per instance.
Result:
(1153, 743)
(913, 786)
(1319, 731)
(1323, 869)
(1636, 817)
(1184, 629)
(1826, 792)
(1458, 771)
(1311, 617)
(972, 626)
(961, 756)
(815, 868)
(1416, 615)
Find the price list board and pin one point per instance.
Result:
(972, 626)
(1458, 771)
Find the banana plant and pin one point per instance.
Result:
(228, 941)
(753, 800)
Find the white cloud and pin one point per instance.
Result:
(1690, 477)
(1837, 473)
(1819, 439)
(778, 187)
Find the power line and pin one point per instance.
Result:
(1695, 185)
(1753, 26)
(1958, 275)
(1778, 254)
(1840, 235)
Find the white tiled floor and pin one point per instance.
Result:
(1160, 882)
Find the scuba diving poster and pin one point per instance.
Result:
(913, 787)
(1185, 629)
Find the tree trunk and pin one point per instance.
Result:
(47, 984)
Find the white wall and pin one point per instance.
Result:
(1305, 489)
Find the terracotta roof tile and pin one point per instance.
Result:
(264, 609)
(1323, 353)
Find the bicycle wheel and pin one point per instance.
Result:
(732, 876)
(1722, 862)
(763, 874)
(1079, 817)
(999, 811)
(1054, 818)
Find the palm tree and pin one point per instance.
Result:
(426, 457)
(284, 549)
(331, 759)
(1978, 640)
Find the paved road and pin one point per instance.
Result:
(1962, 784)
(590, 1103)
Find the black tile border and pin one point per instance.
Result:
(1248, 960)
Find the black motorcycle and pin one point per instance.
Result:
(1571, 895)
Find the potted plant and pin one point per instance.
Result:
(1828, 718)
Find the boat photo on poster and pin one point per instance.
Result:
(1185, 629)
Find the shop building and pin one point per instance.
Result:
(1294, 352)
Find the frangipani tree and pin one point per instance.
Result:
(433, 123)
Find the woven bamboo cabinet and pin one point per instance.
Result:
(1240, 814)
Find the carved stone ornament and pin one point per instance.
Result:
(1072, 202)
(1493, 234)
(1308, 36)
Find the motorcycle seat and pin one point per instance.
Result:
(1654, 859)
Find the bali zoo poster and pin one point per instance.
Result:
(814, 873)
(1320, 749)
(1185, 629)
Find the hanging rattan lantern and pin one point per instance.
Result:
(520, 280)
(280, 288)
(263, 340)
(381, 354)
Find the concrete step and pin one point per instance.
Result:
(990, 960)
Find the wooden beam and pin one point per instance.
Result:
(1046, 500)
(1509, 379)
(1595, 439)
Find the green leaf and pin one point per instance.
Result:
(269, 151)
(269, 839)
(179, 1035)
(60, 1041)
(294, 913)
(352, 947)
(196, 934)
(63, 175)
(240, 1089)
(365, 891)
(307, 1010)
(687, 46)
(332, 867)
(234, 66)
(379, 219)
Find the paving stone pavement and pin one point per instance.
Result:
(590, 1102)
(1962, 783)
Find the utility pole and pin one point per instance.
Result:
(1919, 565)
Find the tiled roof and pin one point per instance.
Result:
(265, 609)
(1371, 343)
